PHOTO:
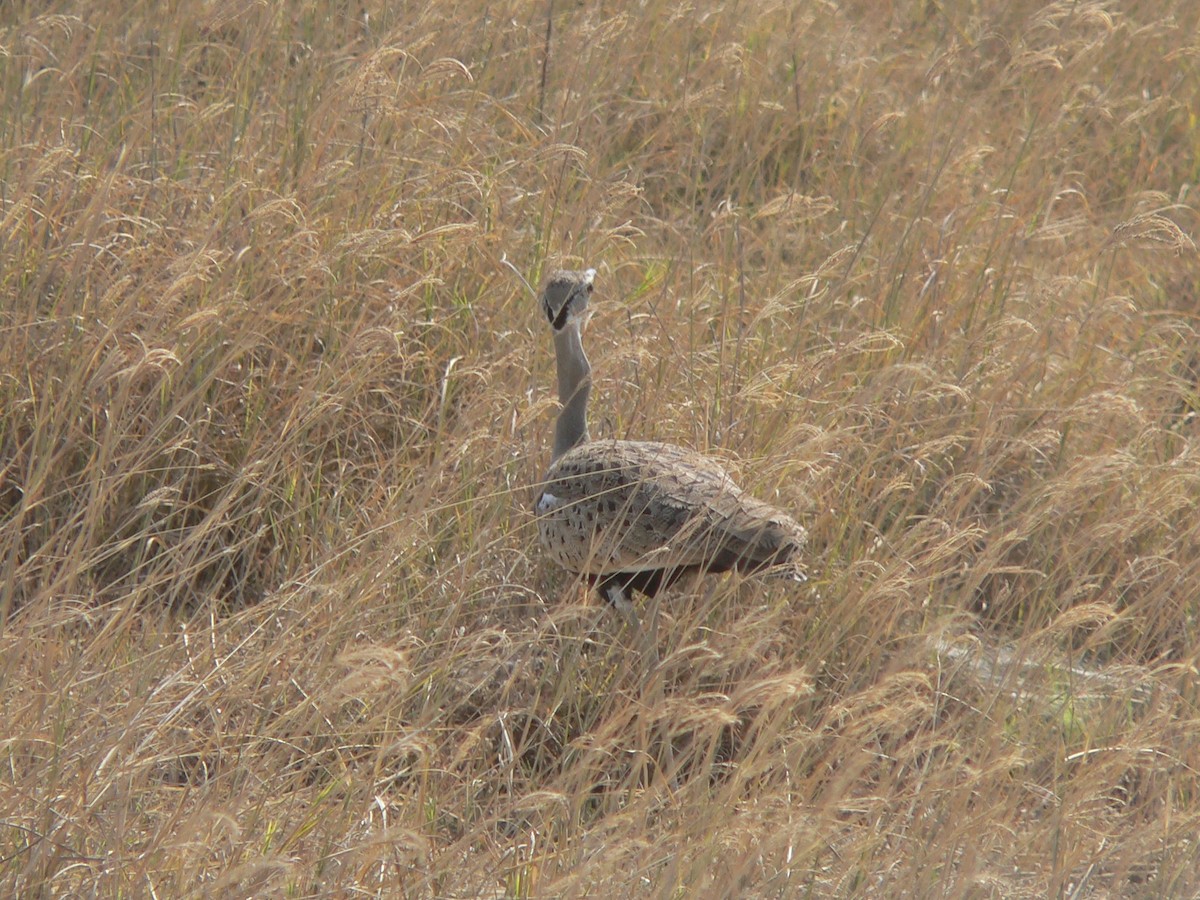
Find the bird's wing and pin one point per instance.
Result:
(656, 506)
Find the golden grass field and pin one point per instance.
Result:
(272, 408)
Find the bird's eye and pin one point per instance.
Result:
(589, 288)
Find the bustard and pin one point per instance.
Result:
(640, 515)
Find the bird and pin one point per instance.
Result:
(637, 516)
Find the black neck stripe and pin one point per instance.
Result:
(560, 320)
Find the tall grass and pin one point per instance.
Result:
(274, 621)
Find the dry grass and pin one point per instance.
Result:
(274, 621)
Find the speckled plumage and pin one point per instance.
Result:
(658, 511)
(639, 515)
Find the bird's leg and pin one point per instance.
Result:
(652, 687)
(652, 634)
(614, 593)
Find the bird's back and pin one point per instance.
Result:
(610, 507)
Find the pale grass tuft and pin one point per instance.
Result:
(1151, 230)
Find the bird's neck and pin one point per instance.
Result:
(574, 386)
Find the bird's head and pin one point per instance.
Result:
(565, 298)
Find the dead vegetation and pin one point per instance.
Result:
(271, 411)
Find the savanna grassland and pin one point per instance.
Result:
(273, 401)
